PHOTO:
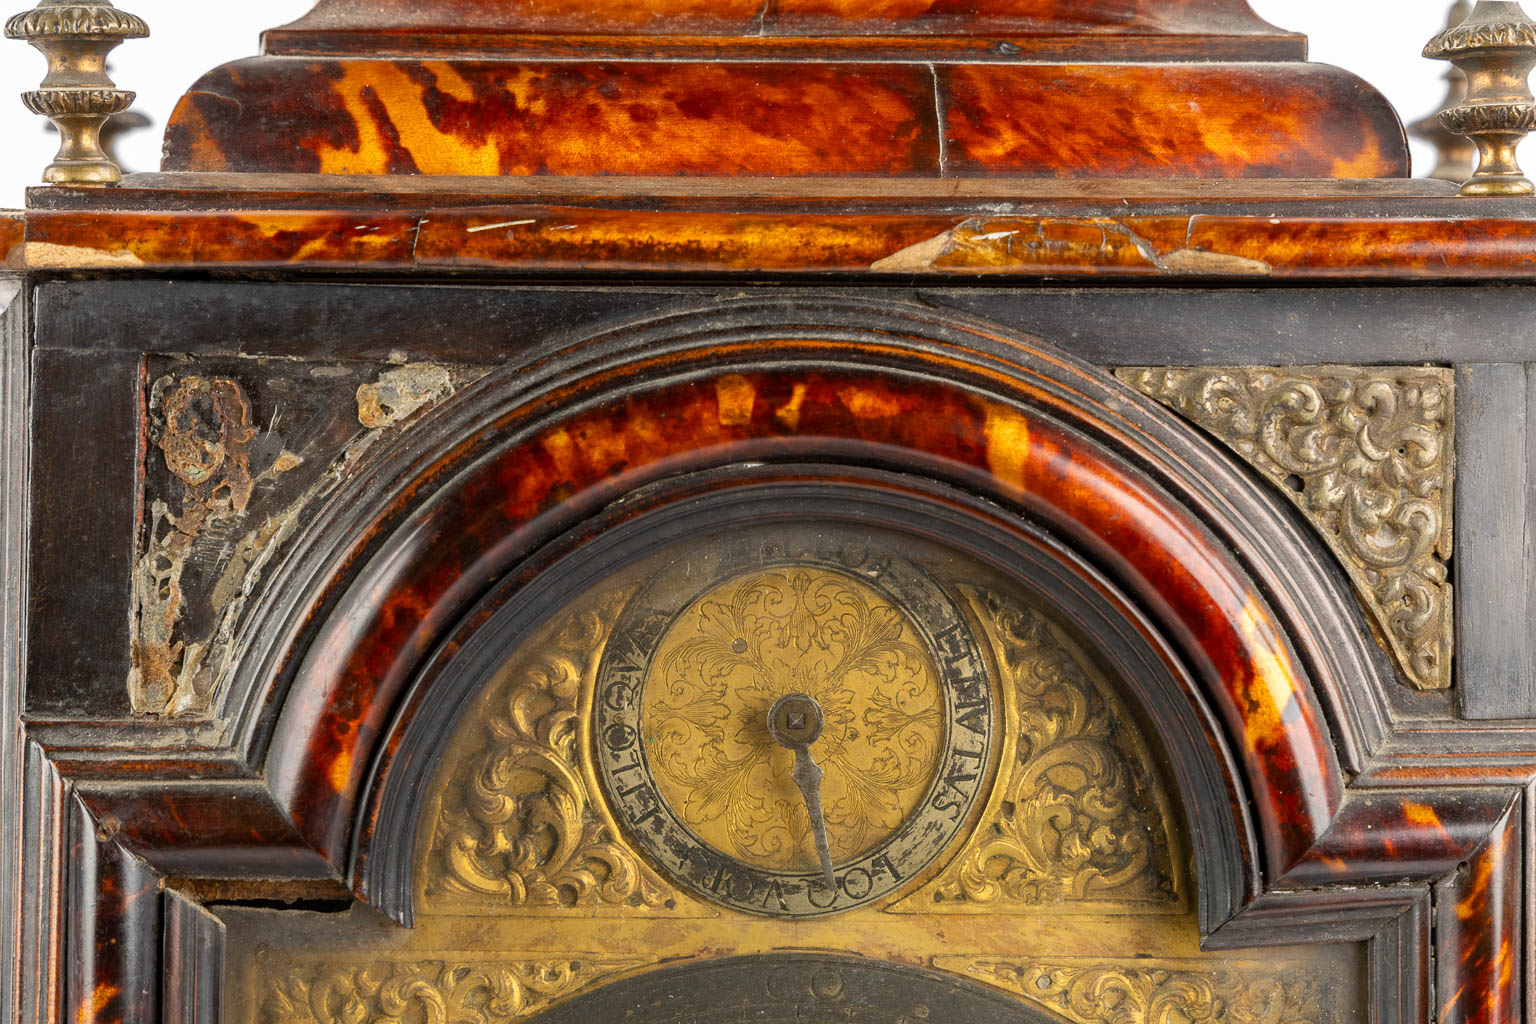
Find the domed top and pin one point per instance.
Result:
(786, 89)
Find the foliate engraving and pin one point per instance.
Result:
(441, 991)
(711, 641)
(760, 638)
(1081, 816)
(1366, 453)
(518, 826)
(1156, 992)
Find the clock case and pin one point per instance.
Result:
(1333, 800)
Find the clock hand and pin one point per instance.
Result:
(807, 776)
(795, 721)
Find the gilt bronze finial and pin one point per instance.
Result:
(1456, 155)
(1496, 48)
(77, 95)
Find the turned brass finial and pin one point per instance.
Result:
(1496, 47)
(77, 95)
(1456, 153)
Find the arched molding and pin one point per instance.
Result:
(1227, 579)
(1198, 763)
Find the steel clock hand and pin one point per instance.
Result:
(795, 721)
(808, 777)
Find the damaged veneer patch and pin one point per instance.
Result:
(1005, 245)
(241, 450)
(401, 393)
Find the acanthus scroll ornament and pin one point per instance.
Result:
(77, 95)
(518, 826)
(447, 992)
(1159, 992)
(1082, 815)
(1367, 454)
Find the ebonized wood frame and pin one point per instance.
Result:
(1430, 837)
(13, 560)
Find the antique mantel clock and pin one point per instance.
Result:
(821, 511)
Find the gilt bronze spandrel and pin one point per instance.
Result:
(1081, 814)
(1098, 992)
(517, 821)
(1368, 455)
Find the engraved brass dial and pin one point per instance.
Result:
(786, 691)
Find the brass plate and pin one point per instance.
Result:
(720, 632)
(1065, 891)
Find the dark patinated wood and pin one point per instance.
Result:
(62, 648)
(489, 327)
(14, 324)
(1445, 859)
(1108, 327)
(1363, 840)
(186, 190)
(1392, 922)
(1497, 664)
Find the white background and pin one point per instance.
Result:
(1378, 39)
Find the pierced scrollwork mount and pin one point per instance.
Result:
(77, 95)
(1367, 454)
(1496, 48)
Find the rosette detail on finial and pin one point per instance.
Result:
(1496, 48)
(77, 95)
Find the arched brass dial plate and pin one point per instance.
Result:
(706, 648)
